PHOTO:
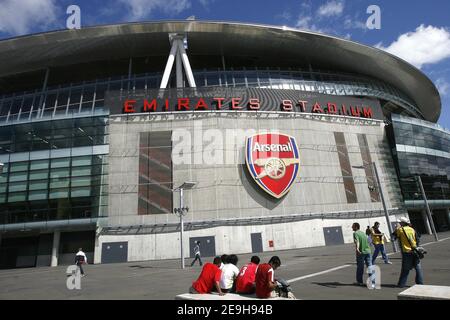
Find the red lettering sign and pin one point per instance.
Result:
(201, 104)
(286, 105)
(235, 103)
(128, 106)
(183, 103)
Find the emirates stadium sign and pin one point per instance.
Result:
(273, 162)
(249, 100)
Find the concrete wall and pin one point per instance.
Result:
(225, 191)
(236, 239)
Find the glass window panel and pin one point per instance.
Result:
(39, 164)
(2, 199)
(60, 163)
(75, 96)
(27, 104)
(60, 173)
(18, 166)
(80, 192)
(65, 142)
(38, 185)
(18, 186)
(212, 79)
(18, 176)
(37, 195)
(81, 161)
(3, 187)
(16, 105)
(39, 175)
(63, 97)
(88, 93)
(81, 181)
(4, 175)
(59, 183)
(239, 79)
(15, 197)
(59, 193)
(81, 171)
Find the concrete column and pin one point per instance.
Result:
(55, 249)
(426, 222)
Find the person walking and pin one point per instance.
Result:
(408, 242)
(80, 259)
(197, 254)
(363, 252)
(378, 242)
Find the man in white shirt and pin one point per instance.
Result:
(197, 254)
(223, 258)
(229, 274)
(80, 259)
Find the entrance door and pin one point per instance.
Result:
(207, 246)
(257, 245)
(333, 236)
(114, 252)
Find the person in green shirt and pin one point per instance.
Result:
(363, 252)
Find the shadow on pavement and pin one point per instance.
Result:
(334, 284)
(153, 267)
(338, 284)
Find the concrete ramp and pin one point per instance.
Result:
(423, 292)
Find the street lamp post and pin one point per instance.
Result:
(181, 212)
(380, 191)
(430, 218)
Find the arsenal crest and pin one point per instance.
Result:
(273, 162)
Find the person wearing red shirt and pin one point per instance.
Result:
(265, 281)
(245, 282)
(208, 279)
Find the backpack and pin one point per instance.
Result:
(79, 259)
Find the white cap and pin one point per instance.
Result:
(404, 220)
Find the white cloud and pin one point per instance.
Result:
(426, 45)
(142, 8)
(303, 22)
(21, 16)
(443, 86)
(331, 8)
(354, 23)
(206, 3)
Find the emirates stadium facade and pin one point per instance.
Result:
(277, 128)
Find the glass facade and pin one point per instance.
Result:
(422, 149)
(54, 170)
(53, 135)
(87, 98)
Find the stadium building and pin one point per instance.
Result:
(277, 127)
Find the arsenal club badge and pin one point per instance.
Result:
(273, 162)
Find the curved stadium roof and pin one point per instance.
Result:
(260, 42)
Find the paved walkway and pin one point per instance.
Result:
(315, 273)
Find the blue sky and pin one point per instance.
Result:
(417, 31)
